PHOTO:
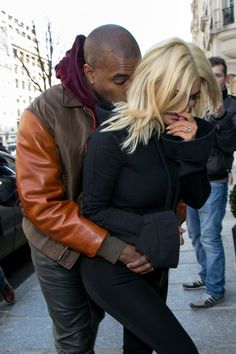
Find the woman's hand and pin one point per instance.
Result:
(185, 127)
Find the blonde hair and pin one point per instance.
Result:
(153, 90)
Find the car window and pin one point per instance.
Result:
(11, 147)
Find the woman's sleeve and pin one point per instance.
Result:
(103, 161)
(195, 189)
(192, 157)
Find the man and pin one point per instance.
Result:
(51, 141)
(205, 225)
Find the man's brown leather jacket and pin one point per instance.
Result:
(50, 146)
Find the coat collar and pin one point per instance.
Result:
(103, 111)
(70, 101)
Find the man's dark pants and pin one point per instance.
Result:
(75, 317)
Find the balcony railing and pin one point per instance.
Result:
(228, 15)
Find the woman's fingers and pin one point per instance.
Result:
(184, 128)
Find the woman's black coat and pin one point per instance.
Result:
(135, 195)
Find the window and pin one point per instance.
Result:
(228, 12)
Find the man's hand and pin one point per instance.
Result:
(136, 262)
(181, 231)
(230, 179)
(220, 111)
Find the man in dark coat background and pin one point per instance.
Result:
(205, 225)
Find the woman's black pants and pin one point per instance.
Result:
(137, 303)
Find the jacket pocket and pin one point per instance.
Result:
(159, 239)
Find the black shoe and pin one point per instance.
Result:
(206, 302)
(195, 285)
(8, 293)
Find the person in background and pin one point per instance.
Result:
(205, 225)
(149, 153)
(50, 149)
(6, 290)
(220, 69)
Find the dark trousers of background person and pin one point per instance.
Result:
(135, 302)
(2, 278)
(75, 317)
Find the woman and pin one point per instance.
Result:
(150, 153)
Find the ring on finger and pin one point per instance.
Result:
(188, 129)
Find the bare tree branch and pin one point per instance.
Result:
(50, 49)
(45, 64)
(39, 57)
(27, 71)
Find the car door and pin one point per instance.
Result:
(11, 234)
(7, 231)
(20, 238)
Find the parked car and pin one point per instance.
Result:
(11, 148)
(11, 233)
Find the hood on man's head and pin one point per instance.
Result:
(70, 71)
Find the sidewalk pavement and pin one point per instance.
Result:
(25, 327)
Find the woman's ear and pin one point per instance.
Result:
(89, 73)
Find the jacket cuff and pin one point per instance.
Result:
(191, 155)
(195, 151)
(111, 249)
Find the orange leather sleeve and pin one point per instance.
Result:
(40, 187)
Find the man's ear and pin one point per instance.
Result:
(89, 73)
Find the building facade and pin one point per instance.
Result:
(18, 86)
(214, 30)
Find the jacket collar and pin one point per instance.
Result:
(70, 101)
(103, 111)
(224, 93)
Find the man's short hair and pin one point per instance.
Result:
(114, 38)
(218, 61)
